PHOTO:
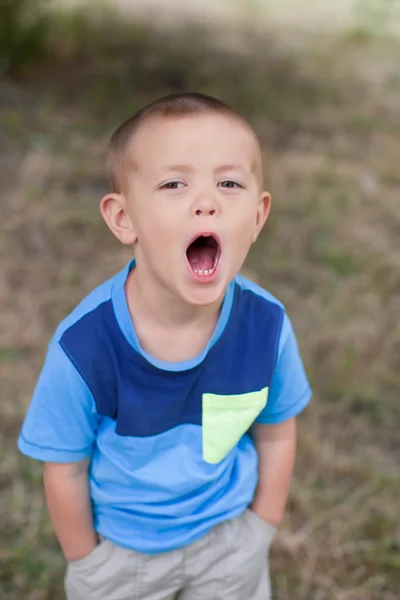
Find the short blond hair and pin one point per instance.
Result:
(171, 106)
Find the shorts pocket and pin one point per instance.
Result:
(259, 524)
(95, 557)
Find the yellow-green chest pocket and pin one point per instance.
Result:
(226, 418)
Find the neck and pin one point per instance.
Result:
(161, 306)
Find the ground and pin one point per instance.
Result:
(327, 111)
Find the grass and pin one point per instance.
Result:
(329, 251)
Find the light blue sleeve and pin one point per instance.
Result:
(289, 391)
(61, 422)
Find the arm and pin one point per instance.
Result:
(67, 494)
(276, 447)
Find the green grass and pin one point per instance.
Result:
(329, 252)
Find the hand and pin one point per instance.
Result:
(82, 553)
(263, 514)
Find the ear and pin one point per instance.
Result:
(112, 207)
(264, 207)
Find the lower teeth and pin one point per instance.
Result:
(205, 271)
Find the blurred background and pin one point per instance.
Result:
(320, 81)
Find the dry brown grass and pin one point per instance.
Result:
(330, 127)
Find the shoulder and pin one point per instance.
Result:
(253, 288)
(266, 303)
(93, 301)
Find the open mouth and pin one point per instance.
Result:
(203, 255)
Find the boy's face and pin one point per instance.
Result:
(194, 202)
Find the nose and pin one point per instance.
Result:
(205, 205)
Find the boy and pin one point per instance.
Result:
(155, 485)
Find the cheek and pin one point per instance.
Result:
(243, 234)
(244, 225)
(157, 233)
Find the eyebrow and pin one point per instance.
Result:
(229, 168)
(184, 168)
(188, 168)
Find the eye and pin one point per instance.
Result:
(172, 185)
(229, 184)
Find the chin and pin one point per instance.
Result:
(204, 295)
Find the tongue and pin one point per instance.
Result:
(201, 258)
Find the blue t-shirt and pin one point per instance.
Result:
(171, 446)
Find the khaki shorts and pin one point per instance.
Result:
(228, 563)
